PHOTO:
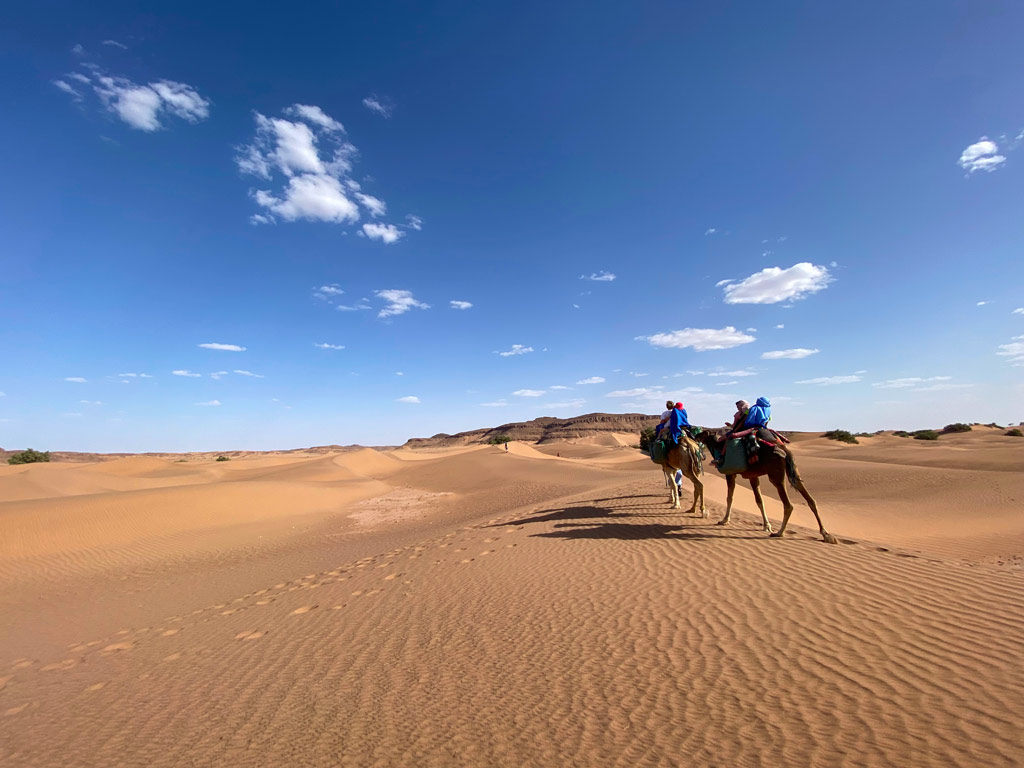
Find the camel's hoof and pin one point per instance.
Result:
(768, 530)
(776, 535)
(722, 522)
(828, 538)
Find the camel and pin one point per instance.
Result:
(681, 458)
(777, 469)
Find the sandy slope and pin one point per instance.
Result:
(483, 607)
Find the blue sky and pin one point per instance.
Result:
(816, 202)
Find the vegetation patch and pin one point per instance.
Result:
(499, 440)
(223, 458)
(901, 433)
(1014, 433)
(925, 434)
(842, 436)
(28, 457)
(958, 427)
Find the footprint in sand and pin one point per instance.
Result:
(229, 611)
(374, 592)
(66, 664)
(115, 647)
(357, 593)
(95, 687)
(467, 560)
(172, 657)
(22, 663)
(262, 602)
(169, 632)
(391, 576)
(304, 609)
(16, 710)
(247, 635)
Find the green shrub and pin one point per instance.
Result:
(1014, 433)
(223, 458)
(842, 436)
(646, 437)
(926, 434)
(28, 457)
(901, 433)
(958, 427)
(499, 440)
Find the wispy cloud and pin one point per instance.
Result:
(1014, 351)
(558, 387)
(379, 105)
(325, 345)
(599, 277)
(222, 347)
(210, 403)
(250, 374)
(592, 380)
(408, 399)
(144, 107)
(326, 291)
(218, 375)
(76, 379)
(699, 339)
(789, 354)
(637, 392)
(733, 373)
(517, 349)
(1018, 311)
(576, 403)
(983, 303)
(710, 231)
(983, 155)
(495, 404)
(386, 233)
(909, 382)
(725, 383)
(774, 284)
(414, 222)
(528, 392)
(460, 304)
(187, 373)
(825, 381)
(83, 402)
(398, 302)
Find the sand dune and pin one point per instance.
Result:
(474, 607)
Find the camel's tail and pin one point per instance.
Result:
(791, 471)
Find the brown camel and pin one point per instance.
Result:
(777, 468)
(679, 456)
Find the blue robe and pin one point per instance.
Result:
(759, 415)
(676, 421)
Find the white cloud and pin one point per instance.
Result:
(386, 233)
(353, 308)
(528, 392)
(559, 386)
(116, 44)
(710, 231)
(187, 373)
(408, 399)
(460, 304)
(592, 380)
(733, 373)
(327, 290)
(217, 375)
(983, 303)
(700, 339)
(1014, 350)
(725, 383)
(325, 345)
(222, 347)
(84, 402)
(942, 387)
(691, 373)
(779, 326)
(398, 302)
(379, 105)
(258, 218)
(638, 392)
(3, 394)
(774, 284)
(250, 373)
(599, 277)
(134, 376)
(909, 382)
(495, 404)
(76, 379)
(565, 404)
(313, 114)
(141, 106)
(414, 222)
(517, 349)
(826, 381)
(313, 158)
(789, 354)
(210, 403)
(983, 155)
(1018, 311)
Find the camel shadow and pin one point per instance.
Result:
(627, 531)
(565, 513)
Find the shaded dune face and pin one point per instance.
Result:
(537, 607)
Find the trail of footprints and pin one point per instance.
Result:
(361, 571)
(465, 550)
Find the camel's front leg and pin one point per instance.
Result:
(673, 498)
(730, 488)
(755, 486)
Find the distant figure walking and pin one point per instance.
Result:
(506, 447)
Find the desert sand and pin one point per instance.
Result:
(541, 606)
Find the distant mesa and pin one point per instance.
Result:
(543, 430)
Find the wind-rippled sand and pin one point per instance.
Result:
(481, 607)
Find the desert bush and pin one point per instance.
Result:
(958, 427)
(901, 433)
(499, 440)
(223, 458)
(28, 457)
(1014, 433)
(841, 435)
(926, 434)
